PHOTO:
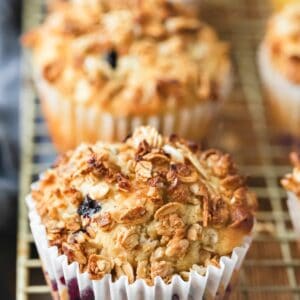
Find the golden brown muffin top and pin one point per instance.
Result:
(283, 41)
(151, 206)
(146, 59)
(291, 181)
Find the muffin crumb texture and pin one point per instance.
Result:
(151, 206)
(291, 181)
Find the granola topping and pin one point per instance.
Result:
(168, 214)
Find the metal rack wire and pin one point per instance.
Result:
(272, 268)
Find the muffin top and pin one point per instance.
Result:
(283, 42)
(151, 206)
(113, 54)
(291, 181)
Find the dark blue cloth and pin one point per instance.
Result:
(10, 12)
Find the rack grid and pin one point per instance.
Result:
(272, 267)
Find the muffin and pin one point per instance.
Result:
(101, 70)
(279, 65)
(150, 217)
(291, 183)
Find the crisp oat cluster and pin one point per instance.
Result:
(291, 182)
(283, 41)
(151, 206)
(114, 54)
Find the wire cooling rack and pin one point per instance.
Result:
(272, 267)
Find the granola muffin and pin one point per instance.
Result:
(291, 183)
(103, 69)
(154, 209)
(279, 65)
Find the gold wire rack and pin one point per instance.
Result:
(272, 267)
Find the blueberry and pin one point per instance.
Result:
(88, 207)
(112, 58)
(62, 280)
(54, 285)
(87, 294)
(73, 289)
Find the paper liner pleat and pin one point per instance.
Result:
(69, 281)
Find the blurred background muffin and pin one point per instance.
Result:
(154, 209)
(102, 69)
(279, 66)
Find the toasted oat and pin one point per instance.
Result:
(129, 238)
(105, 221)
(134, 215)
(127, 270)
(177, 247)
(163, 269)
(142, 270)
(194, 232)
(168, 209)
(143, 170)
(99, 191)
(99, 265)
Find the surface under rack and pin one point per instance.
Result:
(272, 267)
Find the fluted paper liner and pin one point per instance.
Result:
(71, 123)
(283, 96)
(69, 283)
(293, 204)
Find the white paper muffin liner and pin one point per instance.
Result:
(69, 283)
(71, 123)
(293, 203)
(282, 95)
